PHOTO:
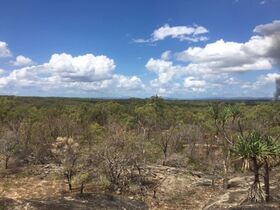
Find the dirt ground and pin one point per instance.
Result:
(40, 187)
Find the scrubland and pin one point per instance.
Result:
(68, 153)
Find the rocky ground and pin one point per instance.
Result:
(40, 188)
(235, 197)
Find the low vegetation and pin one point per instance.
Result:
(129, 147)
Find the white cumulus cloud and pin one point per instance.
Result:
(4, 50)
(260, 52)
(86, 72)
(85, 68)
(222, 56)
(22, 61)
(216, 64)
(165, 70)
(269, 28)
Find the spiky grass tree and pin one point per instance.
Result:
(258, 150)
(250, 148)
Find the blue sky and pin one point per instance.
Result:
(129, 48)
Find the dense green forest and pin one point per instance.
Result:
(109, 144)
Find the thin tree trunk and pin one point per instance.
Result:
(165, 156)
(225, 179)
(69, 181)
(256, 170)
(69, 185)
(266, 181)
(6, 162)
(82, 188)
(240, 127)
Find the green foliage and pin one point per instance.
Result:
(250, 146)
(255, 145)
